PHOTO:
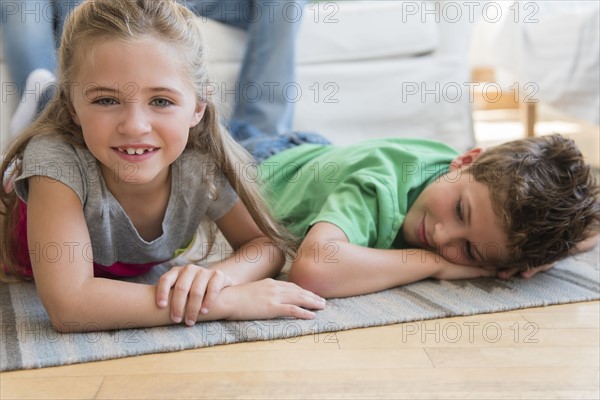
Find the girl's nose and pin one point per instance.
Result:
(134, 121)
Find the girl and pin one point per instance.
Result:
(123, 165)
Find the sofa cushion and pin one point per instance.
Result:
(341, 31)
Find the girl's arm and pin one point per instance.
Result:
(255, 257)
(75, 300)
(330, 266)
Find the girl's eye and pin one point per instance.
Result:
(105, 101)
(160, 102)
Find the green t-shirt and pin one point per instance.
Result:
(365, 189)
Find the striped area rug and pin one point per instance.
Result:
(28, 340)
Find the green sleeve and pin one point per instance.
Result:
(365, 209)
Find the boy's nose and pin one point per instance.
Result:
(445, 234)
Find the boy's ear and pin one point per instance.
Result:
(466, 158)
(198, 114)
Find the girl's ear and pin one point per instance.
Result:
(198, 114)
(74, 116)
(466, 158)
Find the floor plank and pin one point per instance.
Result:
(395, 362)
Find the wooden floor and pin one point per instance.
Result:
(549, 352)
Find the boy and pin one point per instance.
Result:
(388, 212)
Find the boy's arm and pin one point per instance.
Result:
(581, 247)
(588, 243)
(330, 266)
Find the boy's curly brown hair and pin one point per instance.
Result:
(545, 195)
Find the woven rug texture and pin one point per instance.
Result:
(28, 341)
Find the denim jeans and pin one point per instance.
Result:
(31, 34)
(262, 119)
(269, 60)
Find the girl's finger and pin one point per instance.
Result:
(214, 287)
(311, 302)
(180, 293)
(165, 283)
(197, 292)
(295, 295)
(290, 310)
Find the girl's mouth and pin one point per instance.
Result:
(131, 151)
(135, 154)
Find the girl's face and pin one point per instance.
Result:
(135, 108)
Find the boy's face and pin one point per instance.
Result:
(454, 217)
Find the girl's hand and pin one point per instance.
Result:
(270, 298)
(193, 285)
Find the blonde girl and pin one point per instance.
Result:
(117, 173)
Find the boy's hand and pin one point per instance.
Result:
(193, 285)
(269, 298)
(507, 273)
(582, 246)
(450, 271)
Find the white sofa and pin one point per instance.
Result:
(364, 69)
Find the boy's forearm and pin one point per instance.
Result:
(588, 244)
(346, 269)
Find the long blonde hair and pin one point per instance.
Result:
(174, 24)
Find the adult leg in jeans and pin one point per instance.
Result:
(262, 119)
(264, 127)
(269, 67)
(29, 39)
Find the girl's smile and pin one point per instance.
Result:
(136, 153)
(135, 120)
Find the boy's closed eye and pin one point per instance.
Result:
(460, 214)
